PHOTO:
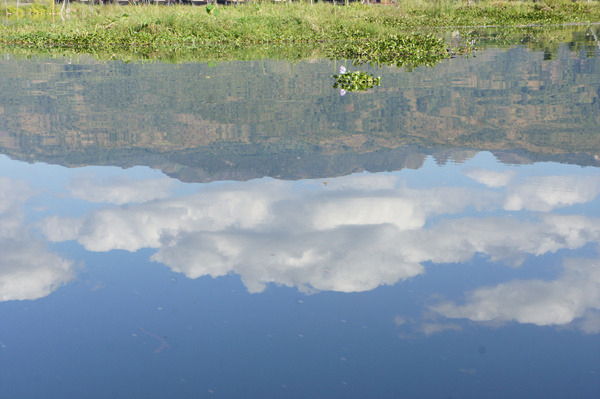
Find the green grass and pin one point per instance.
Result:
(365, 33)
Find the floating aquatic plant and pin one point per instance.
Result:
(397, 50)
(354, 81)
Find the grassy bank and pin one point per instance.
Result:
(397, 35)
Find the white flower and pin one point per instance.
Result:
(342, 92)
(342, 70)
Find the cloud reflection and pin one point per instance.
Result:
(575, 293)
(341, 237)
(550, 192)
(119, 190)
(490, 178)
(349, 234)
(27, 269)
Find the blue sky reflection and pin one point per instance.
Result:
(345, 234)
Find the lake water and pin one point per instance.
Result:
(242, 230)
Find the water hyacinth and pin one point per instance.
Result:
(410, 50)
(354, 81)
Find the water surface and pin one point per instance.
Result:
(243, 230)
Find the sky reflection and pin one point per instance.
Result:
(28, 270)
(345, 234)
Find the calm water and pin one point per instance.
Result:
(244, 231)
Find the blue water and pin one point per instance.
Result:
(233, 253)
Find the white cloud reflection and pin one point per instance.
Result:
(352, 234)
(119, 190)
(341, 237)
(27, 269)
(575, 293)
(348, 234)
(550, 192)
(491, 178)
(345, 259)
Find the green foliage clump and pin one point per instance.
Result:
(410, 50)
(356, 81)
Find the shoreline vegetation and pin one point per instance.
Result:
(411, 33)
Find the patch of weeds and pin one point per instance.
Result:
(411, 50)
(355, 81)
